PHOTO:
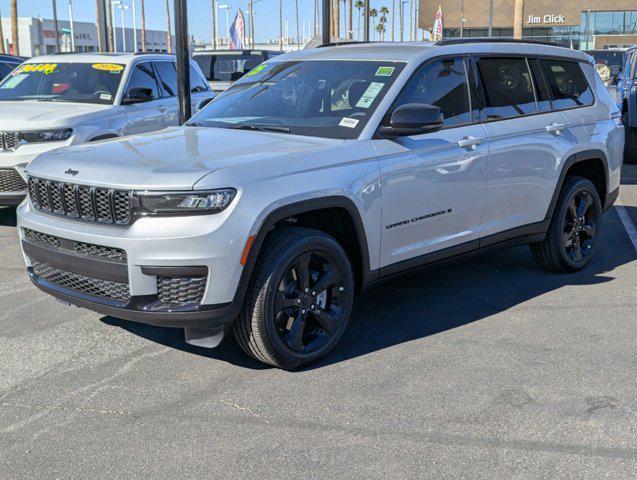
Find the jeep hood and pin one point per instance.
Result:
(32, 115)
(175, 158)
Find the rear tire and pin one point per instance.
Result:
(299, 303)
(630, 149)
(573, 234)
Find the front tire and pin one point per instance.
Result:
(300, 301)
(573, 234)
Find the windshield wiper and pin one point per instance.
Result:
(261, 128)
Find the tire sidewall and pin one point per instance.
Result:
(577, 186)
(324, 243)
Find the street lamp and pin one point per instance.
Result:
(227, 9)
(71, 22)
(123, 7)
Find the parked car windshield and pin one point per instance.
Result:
(227, 67)
(63, 82)
(332, 99)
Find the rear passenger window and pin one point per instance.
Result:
(442, 83)
(167, 78)
(508, 87)
(567, 83)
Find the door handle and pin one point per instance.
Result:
(555, 128)
(470, 142)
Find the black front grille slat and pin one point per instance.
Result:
(83, 249)
(180, 291)
(91, 204)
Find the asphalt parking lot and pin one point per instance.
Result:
(487, 369)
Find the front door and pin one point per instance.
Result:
(150, 115)
(433, 185)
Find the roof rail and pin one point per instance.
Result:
(342, 43)
(462, 41)
(152, 53)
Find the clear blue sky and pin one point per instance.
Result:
(199, 13)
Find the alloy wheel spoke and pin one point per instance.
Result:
(590, 229)
(577, 249)
(568, 238)
(284, 301)
(295, 336)
(327, 320)
(325, 281)
(585, 203)
(572, 208)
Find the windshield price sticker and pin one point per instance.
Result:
(256, 70)
(348, 122)
(370, 95)
(13, 81)
(46, 68)
(385, 71)
(108, 67)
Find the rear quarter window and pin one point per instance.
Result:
(567, 83)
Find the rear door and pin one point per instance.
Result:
(527, 142)
(433, 185)
(169, 104)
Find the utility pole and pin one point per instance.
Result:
(56, 26)
(15, 38)
(298, 33)
(518, 19)
(102, 25)
(183, 62)
(134, 26)
(461, 18)
(326, 20)
(143, 26)
(214, 24)
(490, 18)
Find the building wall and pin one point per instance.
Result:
(537, 13)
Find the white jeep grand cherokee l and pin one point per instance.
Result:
(319, 173)
(69, 99)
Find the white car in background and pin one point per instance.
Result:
(60, 100)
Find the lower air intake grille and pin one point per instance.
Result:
(177, 291)
(11, 181)
(94, 287)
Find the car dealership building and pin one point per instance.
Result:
(583, 24)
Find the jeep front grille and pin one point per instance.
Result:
(9, 141)
(83, 249)
(178, 291)
(11, 181)
(93, 287)
(91, 204)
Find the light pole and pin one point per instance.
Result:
(71, 22)
(490, 18)
(227, 9)
(123, 7)
(114, 26)
(135, 25)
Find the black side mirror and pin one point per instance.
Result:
(138, 95)
(413, 119)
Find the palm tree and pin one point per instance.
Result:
(359, 4)
(384, 11)
(373, 13)
(111, 30)
(144, 26)
(336, 19)
(281, 25)
(14, 28)
(169, 34)
(1, 36)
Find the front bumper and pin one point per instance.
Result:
(156, 250)
(13, 186)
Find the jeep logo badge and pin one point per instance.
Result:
(71, 172)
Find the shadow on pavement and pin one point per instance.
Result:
(7, 217)
(421, 304)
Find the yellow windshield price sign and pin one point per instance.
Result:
(108, 67)
(46, 68)
(256, 70)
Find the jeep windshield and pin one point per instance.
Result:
(322, 98)
(63, 82)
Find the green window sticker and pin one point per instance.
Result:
(13, 81)
(370, 95)
(256, 70)
(385, 71)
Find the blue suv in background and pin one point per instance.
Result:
(627, 99)
(8, 63)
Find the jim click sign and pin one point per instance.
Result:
(545, 19)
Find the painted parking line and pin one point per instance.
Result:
(627, 222)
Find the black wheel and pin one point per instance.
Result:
(299, 304)
(574, 230)
(630, 150)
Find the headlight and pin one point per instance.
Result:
(185, 203)
(46, 135)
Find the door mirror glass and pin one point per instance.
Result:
(138, 95)
(203, 103)
(413, 119)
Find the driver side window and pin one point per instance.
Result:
(442, 83)
(143, 77)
